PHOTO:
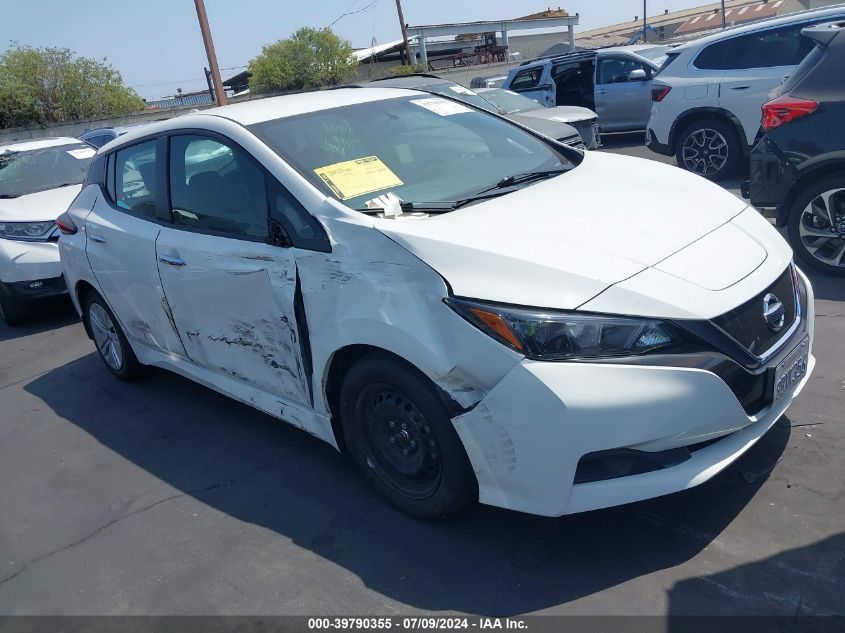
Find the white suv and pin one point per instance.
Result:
(706, 98)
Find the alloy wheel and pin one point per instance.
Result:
(705, 152)
(822, 227)
(105, 336)
(400, 446)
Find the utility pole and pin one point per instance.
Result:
(723, 15)
(645, 23)
(209, 51)
(408, 56)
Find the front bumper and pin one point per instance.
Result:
(35, 289)
(525, 439)
(28, 261)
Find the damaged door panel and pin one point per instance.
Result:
(234, 308)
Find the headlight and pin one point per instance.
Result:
(29, 231)
(551, 335)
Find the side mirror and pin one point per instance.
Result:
(637, 75)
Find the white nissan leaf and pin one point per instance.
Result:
(470, 310)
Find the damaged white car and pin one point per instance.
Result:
(472, 311)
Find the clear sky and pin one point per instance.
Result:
(156, 44)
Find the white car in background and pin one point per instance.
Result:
(38, 180)
(517, 106)
(430, 288)
(708, 94)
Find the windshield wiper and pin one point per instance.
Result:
(505, 184)
(443, 206)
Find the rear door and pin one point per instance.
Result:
(231, 292)
(532, 82)
(622, 102)
(122, 229)
(761, 62)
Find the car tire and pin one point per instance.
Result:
(12, 311)
(111, 343)
(400, 434)
(710, 148)
(808, 223)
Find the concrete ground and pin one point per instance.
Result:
(162, 497)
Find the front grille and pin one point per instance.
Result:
(747, 325)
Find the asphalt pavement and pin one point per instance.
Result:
(163, 497)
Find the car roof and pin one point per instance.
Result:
(798, 16)
(632, 48)
(24, 146)
(268, 109)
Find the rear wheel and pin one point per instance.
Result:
(709, 148)
(12, 311)
(401, 437)
(110, 340)
(816, 225)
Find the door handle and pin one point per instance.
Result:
(740, 87)
(97, 238)
(172, 261)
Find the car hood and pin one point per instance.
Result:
(563, 241)
(562, 114)
(35, 207)
(553, 129)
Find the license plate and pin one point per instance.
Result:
(791, 370)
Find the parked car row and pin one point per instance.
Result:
(708, 93)
(421, 284)
(573, 126)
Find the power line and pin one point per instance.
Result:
(348, 12)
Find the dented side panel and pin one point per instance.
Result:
(233, 304)
(371, 291)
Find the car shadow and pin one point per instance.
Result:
(825, 287)
(48, 314)
(485, 560)
(768, 587)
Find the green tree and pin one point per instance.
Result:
(46, 85)
(310, 58)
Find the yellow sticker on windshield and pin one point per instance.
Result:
(353, 178)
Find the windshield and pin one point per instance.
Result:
(30, 171)
(656, 55)
(510, 102)
(422, 149)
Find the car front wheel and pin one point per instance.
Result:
(816, 225)
(401, 436)
(110, 340)
(709, 148)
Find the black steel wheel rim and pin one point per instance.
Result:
(398, 442)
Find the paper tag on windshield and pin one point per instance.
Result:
(443, 107)
(82, 152)
(461, 90)
(353, 178)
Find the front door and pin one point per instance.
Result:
(231, 293)
(121, 248)
(623, 100)
(532, 83)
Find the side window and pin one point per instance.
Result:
(304, 230)
(216, 187)
(135, 178)
(614, 70)
(775, 47)
(717, 56)
(528, 78)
